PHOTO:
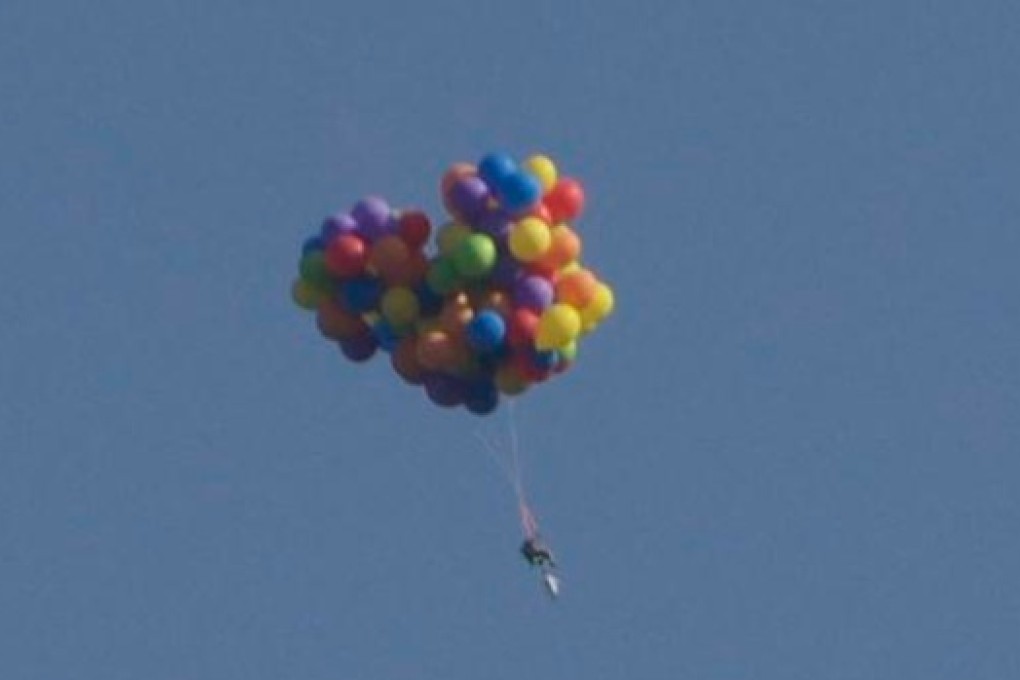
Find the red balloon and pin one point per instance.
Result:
(565, 200)
(522, 327)
(346, 255)
(410, 272)
(414, 227)
(527, 368)
(542, 212)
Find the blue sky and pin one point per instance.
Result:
(791, 454)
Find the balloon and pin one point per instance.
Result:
(450, 236)
(545, 361)
(443, 390)
(576, 289)
(522, 328)
(313, 269)
(405, 361)
(442, 276)
(311, 244)
(361, 294)
(509, 380)
(359, 348)
(558, 326)
(564, 247)
(454, 173)
(388, 255)
(529, 239)
(486, 331)
(414, 227)
(534, 292)
(429, 302)
(435, 350)
(566, 200)
(400, 307)
(385, 335)
(599, 308)
(481, 398)
(543, 169)
(468, 198)
(346, 255)
(305, 294)
(474, 256)
(519, 192)
(456, 315)
(495, 223)
(337, 323)
(335, 225)
(494, 168)
(373, 217)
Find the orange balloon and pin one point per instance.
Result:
(336, 323)
(411, 271)
(576, 289)
(455, 315)
(388, 255)
(435, 351)
(405, 361)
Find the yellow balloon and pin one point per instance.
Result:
(450, 236)
(509, 381)
(400, 306)
(599, 308)
(543, 169)
(305, 295)
(570, 268)
(558, 326)
(529, 239)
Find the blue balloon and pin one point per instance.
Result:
(385, 336)
(361, 295)
(545, 361)
(486, 331)
(519, 192)
(311, 244)
(481, 398)
(429, 301)
(494, 168)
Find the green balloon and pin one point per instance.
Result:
(313, 269)
(442, 276)
(475, 256)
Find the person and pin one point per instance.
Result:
(537, 553)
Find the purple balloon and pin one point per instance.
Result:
(374, 217)
(506, 272)
(496, 223)
(359, 348)
(339, 223)
(534, 292)
(469, 197)
(443, 390)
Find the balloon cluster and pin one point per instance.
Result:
(499, 303)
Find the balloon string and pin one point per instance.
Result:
(513, 470)
(528, 522)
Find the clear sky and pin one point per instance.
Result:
(793, 453)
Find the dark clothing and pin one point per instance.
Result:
(536, 553)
